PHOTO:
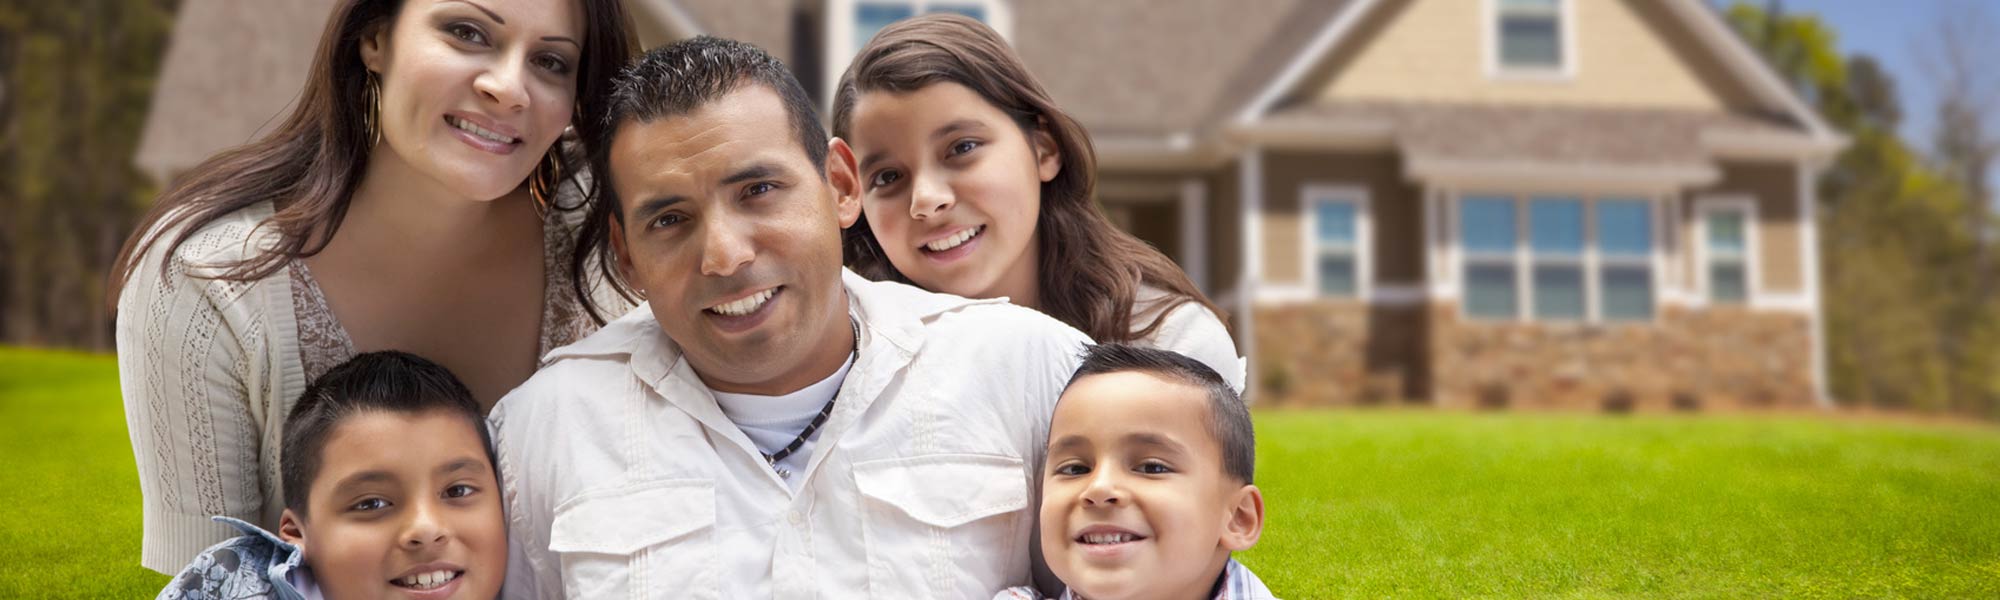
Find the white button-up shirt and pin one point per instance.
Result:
(624, 479)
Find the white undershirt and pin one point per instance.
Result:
(772, 422)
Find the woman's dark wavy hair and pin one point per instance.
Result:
(1088, 270)
(313, 161)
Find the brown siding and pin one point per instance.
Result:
(1395, 205)
(1775, 188)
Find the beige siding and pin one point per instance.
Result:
(1774, 186)
(1628, 53)
(1395, 206)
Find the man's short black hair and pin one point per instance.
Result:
(1228, 417)
(680, 78)
(388, 381)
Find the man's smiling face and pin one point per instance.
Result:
(734, 236)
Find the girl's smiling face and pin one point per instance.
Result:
(951, 187)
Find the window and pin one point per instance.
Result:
(1624, 259)
(1572, 259)
(1337, 225)
(1727, 247)
(1529, 35)
(870, 16)
(1488, 230)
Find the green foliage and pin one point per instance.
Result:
(1457, 505)
(76, 78)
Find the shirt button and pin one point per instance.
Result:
(797, 518)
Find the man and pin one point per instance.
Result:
(768, 424)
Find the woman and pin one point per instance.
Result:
(974, 183)
(418, 199)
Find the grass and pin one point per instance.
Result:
(1361, 504)
(1427, 504)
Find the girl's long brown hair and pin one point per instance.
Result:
(312, 162)
(1089, 271)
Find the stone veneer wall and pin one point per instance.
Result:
(1689, 359)
(1348, 353)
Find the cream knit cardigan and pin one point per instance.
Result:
(208, 368)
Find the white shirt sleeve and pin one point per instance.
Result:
(184, 369)
(1192, 330)
(531, 571)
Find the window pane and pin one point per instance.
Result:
(872, 17)
(1530, 41)
(1488, 224)
(1336, 275)
(1628, 292)
(1335, 225)
(1489, 291)
(1725, 233)
(1541, 5)
(970, 11)
(1728, 283)
(1558, 292)
(1624, 228)
(1555, 226)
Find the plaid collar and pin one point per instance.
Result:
(1238, 583)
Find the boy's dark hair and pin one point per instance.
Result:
(1228, 418)
(673, 80)
(388, 381)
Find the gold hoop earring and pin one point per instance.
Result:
(371, 122)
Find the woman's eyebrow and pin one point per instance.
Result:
(489, 13)
(954, 127)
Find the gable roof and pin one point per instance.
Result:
(1736, 55)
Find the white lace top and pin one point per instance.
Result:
(209, 368)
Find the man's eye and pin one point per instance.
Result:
(371, 504)
(760, 188)
(667, 221)
(465, 32)
(460, 491)
(885, 177)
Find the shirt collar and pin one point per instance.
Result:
(1237, 584)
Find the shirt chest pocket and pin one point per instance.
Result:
(649, 540)
(945, 526)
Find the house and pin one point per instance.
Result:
(1530, 203)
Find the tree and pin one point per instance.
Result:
(75, 80)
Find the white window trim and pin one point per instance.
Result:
(1752, 251)
(1523, 258)
(1311, 196)
(1566, 30)
(838, 45)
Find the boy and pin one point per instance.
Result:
(1148, 485)
(390, 491)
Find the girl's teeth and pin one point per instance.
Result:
(955, 240)
(468, 127)
(746, 305)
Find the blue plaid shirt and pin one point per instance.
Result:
(1238, 583)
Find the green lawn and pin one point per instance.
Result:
(1361, 504)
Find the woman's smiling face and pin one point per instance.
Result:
(474, 92)
(952, 188)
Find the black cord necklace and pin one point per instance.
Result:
(782, 453)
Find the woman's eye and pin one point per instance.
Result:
(466, 33)
(963, 147)
(1154, 468)
(459, 491)
(554, 64)
(371, 504)
(885, 177)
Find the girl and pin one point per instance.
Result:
(414, 200)
(974, 183)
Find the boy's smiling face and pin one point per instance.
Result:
(403, 506)
(1135, 502)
